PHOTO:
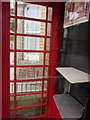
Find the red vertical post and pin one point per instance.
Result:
(5, 60)
(0, 60)
(52, 110)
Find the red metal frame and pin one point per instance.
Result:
(15, 65)
(55, 37)
(1, 59)
(6, 50)
(33, 19)
(20, 34)
(5, 60)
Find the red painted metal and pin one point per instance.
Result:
(40, 51)
(29, 93)
(28, 80)
(29, 65)
(54, 44)
(33, 19)
(20, 34)
(27, 106)
(5, 60)
(1, 60)
(6, 65)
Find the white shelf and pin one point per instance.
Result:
(68, 106)
(73, 75)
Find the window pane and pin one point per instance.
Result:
(28, 100)
(11, 41)
(11, 113)
(44, 97)
(48, 29)
(28, 112)
(43, 109)
(30, 43)
(11, 58)
(46, 72)
(12, 25)
(11, 88)
(45, 85)
(48, 44)
(11, 101)
(49, 13)
(12, 73)
(31, 10)
(28, 87)
(47, 59)
(30, 27)
(12, 8)
(30, 58)
(29, 73)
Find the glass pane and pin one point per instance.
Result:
(29, 73)
(31, 10)
(47, 59)
(44, 97)
(48, 29)
(28, 112)
(11, 58)
(49, 13)
(12, 25)
(43, 109)
(12, 73)
(32, 58)
(28, 100)
(11, 101)
(11, 113)
(12, 8)
(45, 85)
(11, 88)
(30, 43)
(25, 87)
(48, 44)
(11, 41)
(46, 72)
(30, 27)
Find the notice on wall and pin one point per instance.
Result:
(76, 13)
(81, 12)
(68, 18)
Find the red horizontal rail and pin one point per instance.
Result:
(19, 50)
(21, 107)
(30, 80)
(29, 93)
(29, 66)
(33, 19)
(30, 35)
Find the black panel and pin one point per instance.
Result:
(80, 92)
(75, 54)
(75, 47)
